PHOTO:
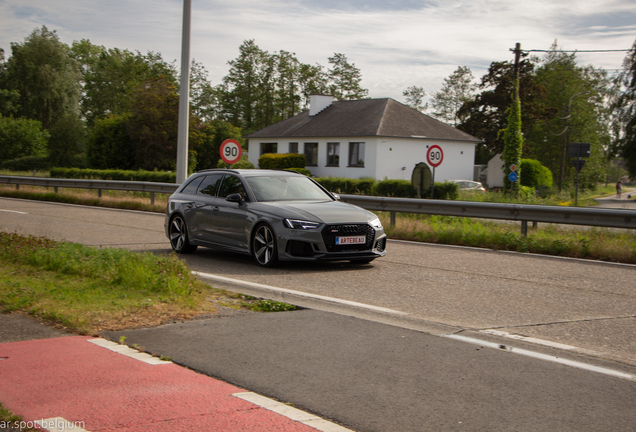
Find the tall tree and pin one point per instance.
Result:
(574, 107)
(109, 75)
(45, 76)
(414, 97)
(458, 89)
(243, 86)
(153, 124)
(345, 79)
(627, 108)
(487, 113)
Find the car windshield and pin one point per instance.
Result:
(285, 188)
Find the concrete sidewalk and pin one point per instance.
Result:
(79, 383)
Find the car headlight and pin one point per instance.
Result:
(300, 224)
(375, 223)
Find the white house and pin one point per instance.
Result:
(378, 138)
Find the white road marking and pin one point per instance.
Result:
(529, 339)
(291, 412)
(129, 352)
(297, 293)
(476, 341)
(545, 357)
(13, 211)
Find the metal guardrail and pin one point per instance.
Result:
(612, 218)
(165, 188)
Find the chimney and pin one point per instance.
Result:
(317, 103)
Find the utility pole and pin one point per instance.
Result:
(517, 52)
(184, 97)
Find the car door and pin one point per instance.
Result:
(230, 217)
(202, 226)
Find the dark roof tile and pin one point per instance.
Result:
(364, 117)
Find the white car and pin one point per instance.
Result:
(469, 185)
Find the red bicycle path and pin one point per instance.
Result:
(103, 390)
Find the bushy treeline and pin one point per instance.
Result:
(126, 175)
(87, 106)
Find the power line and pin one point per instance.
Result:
(575, 51)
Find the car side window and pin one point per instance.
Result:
(191, 188)
(210, 184)
(232, 185)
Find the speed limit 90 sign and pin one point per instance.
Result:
(434, 156)
(230, 151)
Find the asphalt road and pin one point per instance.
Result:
(372, 376)
(590, 306)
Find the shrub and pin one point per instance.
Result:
(535, 175)
(281, 160)
(444, 191)
(347, 186)
(304, 171)
(395, 188)
(144, 176)
(28, 163)
(243, 163)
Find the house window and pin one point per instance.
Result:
(356, 154)
(293, 147)
(333, 154)
(311, 154)
(269, 148)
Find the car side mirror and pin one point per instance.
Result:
(336, 196)
(234, 198)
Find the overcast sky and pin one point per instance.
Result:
(394, 43)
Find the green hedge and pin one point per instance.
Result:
(28, 163)
(304, 171)
(395, 188)
(92, 174)
(281, 160)
(348, 186)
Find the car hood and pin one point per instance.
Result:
(328, 212)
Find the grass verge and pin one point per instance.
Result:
(594, 243)
(13, 421)
(88, 290)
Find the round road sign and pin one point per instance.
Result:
(230, 151)
(513, 176)
(434, 156)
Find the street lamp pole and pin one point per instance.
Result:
(565, 138)
(184, 97)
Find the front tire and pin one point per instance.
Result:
(179, 236)
(264, 247)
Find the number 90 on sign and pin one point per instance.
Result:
(435, 156)
(230, 151)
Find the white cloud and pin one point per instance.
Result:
(394, 43)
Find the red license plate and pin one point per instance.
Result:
(351, 240)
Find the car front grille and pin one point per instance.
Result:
(330, 232)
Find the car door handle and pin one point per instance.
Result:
(215, 208)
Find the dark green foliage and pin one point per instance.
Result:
(28, 163)
(281, 160)
(146, 176)
(627, 108)
(347, 186)
(213, 135)
(513, 143)
(534, 174)
(109, 146)
(303, 171)
(445, 191)
(395, 188)
(21, 137)
(67, 142)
